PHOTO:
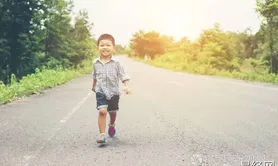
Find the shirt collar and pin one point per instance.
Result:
(112, 58)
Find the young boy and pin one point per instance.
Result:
(106, 76)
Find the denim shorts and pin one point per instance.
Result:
(111, 105)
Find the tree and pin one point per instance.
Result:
(83, 44)
(148, 44)
(57, 40)
(38, 33)
(20, 26)
(217, 47)
(268, 9)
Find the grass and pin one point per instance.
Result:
(179, 62)
(47, 78)
(40, 80)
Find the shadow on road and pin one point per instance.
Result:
(117, 142)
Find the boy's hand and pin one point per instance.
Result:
(127, 90)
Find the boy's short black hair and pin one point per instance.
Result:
(107, 37)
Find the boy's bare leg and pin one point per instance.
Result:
(112, 129)
(102, 120)
(113, 115)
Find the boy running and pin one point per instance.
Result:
(106, 76)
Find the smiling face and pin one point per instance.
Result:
(106, 47)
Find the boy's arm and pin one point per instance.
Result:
(94, 78)
(124, 78)
(123, 75)
(94, 84)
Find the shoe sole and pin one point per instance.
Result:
(102, 141)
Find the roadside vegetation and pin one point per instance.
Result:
(44, 47)
(243, 55)
(47, 46)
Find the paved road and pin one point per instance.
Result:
(170, 119)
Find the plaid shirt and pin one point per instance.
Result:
(108, 76)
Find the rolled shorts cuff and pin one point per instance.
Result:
(113, 110)
(102, 106)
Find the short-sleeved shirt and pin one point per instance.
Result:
(108, 76)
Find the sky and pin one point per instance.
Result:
(177, 18)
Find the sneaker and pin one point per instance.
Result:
(102, 138)
(111, 130)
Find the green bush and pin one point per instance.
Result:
(38, 81)
(180, 62)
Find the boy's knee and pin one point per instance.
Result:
(102, 111)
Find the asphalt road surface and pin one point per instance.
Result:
(171, 119)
